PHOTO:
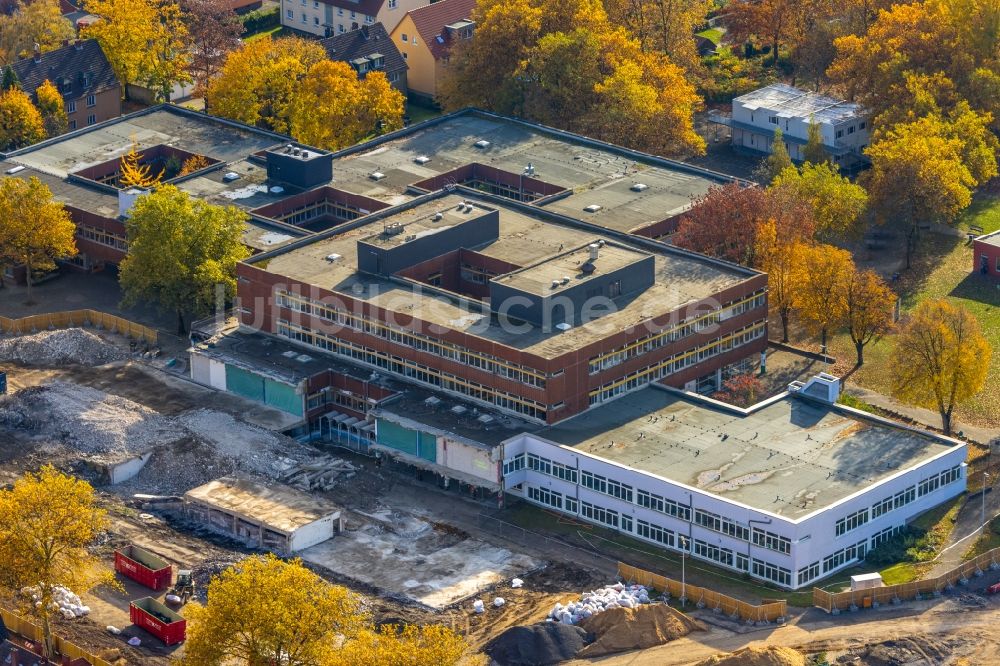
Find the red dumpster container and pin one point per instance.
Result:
(158, 620)
(141, 565)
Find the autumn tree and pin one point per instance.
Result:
(941, 358)
(259, 81)
(870, 305)
(779, 255)
(565, 64)
(50, 105)
(836, 202)
(182, 252)
(20, 122)
(820, 279)
(724, 223)
(47, 523)
(774, 22)
(778, 160)
(741, 390)
(924, 171)
(146, 42)
(667, 26)
(214, 30)
(10, 79)
(814, 151)
(334, 109)
(35, 231)
(133, 173)
(37, 22)
(264, 610)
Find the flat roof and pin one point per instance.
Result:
(680, 278)
(279, 508)
(788, 101)
(538, 278)
(791, 457)
(990, 239)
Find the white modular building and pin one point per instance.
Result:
(789, 491)
(756, 115)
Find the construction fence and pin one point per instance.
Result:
(835, 602)
(31, 631)
(771, 611)
(78, 318)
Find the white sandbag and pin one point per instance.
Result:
(516, 583)
(498, 602)
(113, 630)
(68, 614)
(478, 606)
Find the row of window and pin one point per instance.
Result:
(676, 362)
(546, 466)
(681, 330)
(809, 573)
(851, 522)
(940, 479)
(608, 517)
(601, 484)
(893, 502)
(717, 523)
(117, 241)
(663, 505)
(844, 555)
(881, 537)
(552, 498)
(724, 556)
(415, 371)
(771, 541)
(772, 572)
(417, 341)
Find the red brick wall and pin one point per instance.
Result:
(981, 249)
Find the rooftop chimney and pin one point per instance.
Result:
(594, 250)
(38, 52)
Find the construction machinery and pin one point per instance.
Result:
(183, 586)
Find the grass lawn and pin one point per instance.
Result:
(943, 269)
(714, 35)
(986, 542)
(419, 113)
(276, 31)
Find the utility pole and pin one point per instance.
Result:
(684, 595)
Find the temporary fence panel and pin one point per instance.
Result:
(854, 599)
(24, 627)
(705, 598)
(78, 318)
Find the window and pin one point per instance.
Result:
(712, 552)
(305, 19)
(369, 19)
(840, 133)
(771, 541)
(546, 496)
(773, 120)
(72, 124)
(340, 11)
(514, 464)
(393, 4)
(315, 20)
(851, 522)
(404, 55)
(354, 15)
(655, 533)
(340, 28)
(91, 100)
(414, 40)
(657, 503)
(772, 572)
(571, 505)
(850, 130)
(393, 77)
(91, 119)
(843, 556)
(71, 106)
(809, 573)
(861, 125)
(403, 37)
(595, 482)
(881, 537)
(599, 514)
(717, 523)
(315, 4)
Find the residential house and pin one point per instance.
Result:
(324, 18)
(91, 92)
(757, 114)
(425, 38)
(369, 49)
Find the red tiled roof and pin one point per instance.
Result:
(431, 20)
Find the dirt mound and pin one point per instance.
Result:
(757, 656)
(537, 644)
(70, 345)
(623, 629)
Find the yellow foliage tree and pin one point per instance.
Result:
(38, 22)
(35, 231)
(820, 278)
(134, 173)
(259, 81)
(20, 122)
(192, 164)
(779, 255)
(333, 108)
(47, 521)
(50, 104)
(869, 307)
(941, 358)
(144, 40)
(265, 611)
(667, 26)
(837, 203)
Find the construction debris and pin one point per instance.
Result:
(257, 450)
(596, 601)
(64, 601)
(537, 645)
(757, 656)
(622, 629)
(60, 347)
(319, 474)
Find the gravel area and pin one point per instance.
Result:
(59, 347)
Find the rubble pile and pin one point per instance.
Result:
(60, 347)
(537, 645)
(770, 655)
(63, 600)
(597, 601)
(622, 629)
(257, 450)
(319, 474)
(101, 426)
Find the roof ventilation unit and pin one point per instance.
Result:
(592, 208)
(332, 257)
(422, 159)
(230, 176)
(564, 326)
(376, 175)
(437, 216)
(565, 279)
(555, 284)
(11, 171)
(486, 419)
(277, 189)
(433, 401)
(482, 144)
(458, 409)
(639, 187)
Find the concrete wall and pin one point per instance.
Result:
(455, 455)
(313, 533)
(208, 371)
(812, 537)
(128, 469)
